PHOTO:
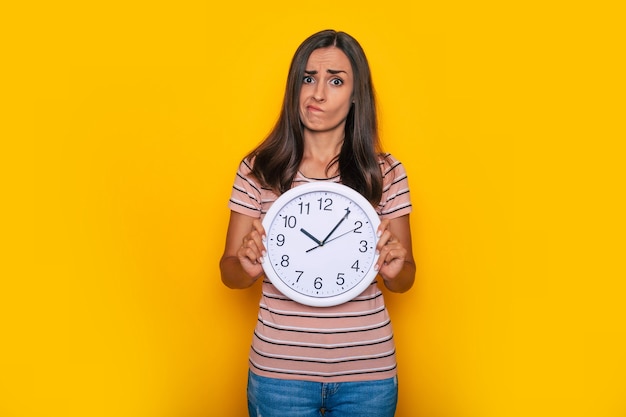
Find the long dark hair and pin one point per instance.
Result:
(277, 158)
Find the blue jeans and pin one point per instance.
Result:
(269, 397)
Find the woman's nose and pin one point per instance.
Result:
(319, 94)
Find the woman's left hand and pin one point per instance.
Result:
(392, 253)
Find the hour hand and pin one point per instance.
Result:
(313, 238)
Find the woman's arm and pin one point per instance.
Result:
(395, 263)
(240, 265)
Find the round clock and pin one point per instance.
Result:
(321, 243)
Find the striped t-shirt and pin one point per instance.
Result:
(349, 342)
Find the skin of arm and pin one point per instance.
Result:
(396, 264)
(240, 265)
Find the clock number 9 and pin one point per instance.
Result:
(280, 239)
(318, 283)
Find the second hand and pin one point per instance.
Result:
(330, 240)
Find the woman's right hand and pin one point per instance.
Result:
(241, 262)
(252, 250)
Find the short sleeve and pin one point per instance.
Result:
(396, 200)
(245, 197)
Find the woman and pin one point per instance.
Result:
(308, 361)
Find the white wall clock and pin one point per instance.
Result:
(321, 243)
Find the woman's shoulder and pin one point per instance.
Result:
(388, 163)
(246, 164)
(246, 167)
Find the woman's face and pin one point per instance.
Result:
(326, 95)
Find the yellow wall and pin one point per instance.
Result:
(122, 126)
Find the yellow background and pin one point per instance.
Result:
(122, 124)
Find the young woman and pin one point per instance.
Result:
(335, 361)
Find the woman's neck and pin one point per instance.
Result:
(319, 151)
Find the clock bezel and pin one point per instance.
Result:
(314, 187)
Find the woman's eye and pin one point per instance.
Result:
(308, 80)
(336, 81)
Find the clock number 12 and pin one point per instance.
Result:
(328, 202)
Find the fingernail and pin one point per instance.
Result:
(376, 268)
(379, 233)
(263, 253)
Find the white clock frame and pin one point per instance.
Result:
(345, 247)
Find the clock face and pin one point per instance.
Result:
(321, 243)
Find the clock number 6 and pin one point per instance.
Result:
(318, 283)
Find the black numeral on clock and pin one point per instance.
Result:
(325, 205)
(290, 221)
(340, 279)
(318, 283)
(355, 266)
(304, 208)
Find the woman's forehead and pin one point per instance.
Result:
(329, 57)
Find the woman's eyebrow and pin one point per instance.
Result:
(330, 71)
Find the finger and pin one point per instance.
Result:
(258, 235)
(258, 226)
(392, 251)
(384, 239)
(384, 225)
(250, 250)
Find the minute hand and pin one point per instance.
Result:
(336, 226)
